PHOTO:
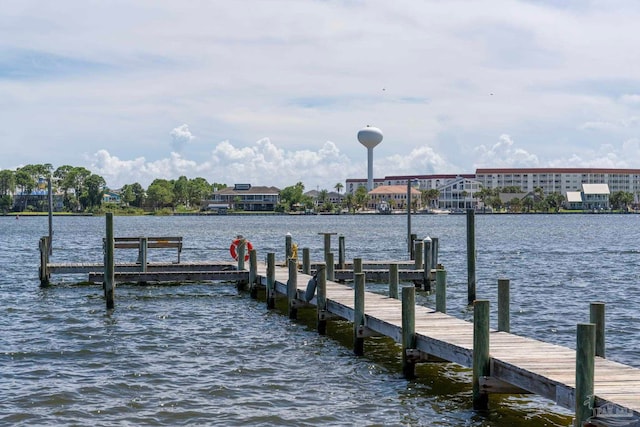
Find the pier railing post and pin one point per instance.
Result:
(394, 279)
(253, 273)
(408, 330)
(481, 360)
(504, 316)
(330, 267)
(596, 316)
(306, 261)
(471, 256)
(426, 285)
(143, 246)
(271, 280)
(358, 314)
(341, 252)
(441, 291)
(585, 365)
(109, 264)
(292, 288)
(321, 298)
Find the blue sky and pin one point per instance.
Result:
(273, 92)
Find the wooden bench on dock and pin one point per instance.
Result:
(144, 243)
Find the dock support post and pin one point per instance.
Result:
(471, 256)
(358, 314)
(306, 261)
(357, 266)
(242, 248)
(412, 253)
(50, 197)
(292, 288)
(394, 279)
(253, 273)
(321, 299)
(596, 316)
(504, 316)
(143, 245)
(427, 243)
(44, 274)
(330, 267)
(441, 291)
(585, 365)
(434, 251)
(271, 280)
(341, 252)
(109, 266)
(417, 249)
(288, 247)
(481, 361)
(408, 330)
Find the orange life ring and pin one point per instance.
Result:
(234, 253)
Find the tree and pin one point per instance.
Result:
(292, 196)
(361, 198)
(555, 200)
(338, 187)
(199, 189)
(160, 193)
(181, 191)
(621, 199)
(7, 182)
(323, 198)
(348, 202)
(93, 191)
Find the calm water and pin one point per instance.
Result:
(203, 354)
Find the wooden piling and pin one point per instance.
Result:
(426, 281)
(394, 279)
(271, 280)
(441, 291)
(327, 244)
(330, 266)
(412, 252)
(585, 366)
(242, 247)
(288, 247)
(481, 360)
(292, 288)
(306, 261)
(50, 198)
(109, 264)
(357, 266)
(434, 251)
(596, 316)
(341, 252)
(504, 316)
(43, 272)
(358, 314)
(408, 330)
(417, 250)
(321, 298)
(471, 256)
(253, 273)
(143, 247)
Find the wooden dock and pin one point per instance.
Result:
(516, 364)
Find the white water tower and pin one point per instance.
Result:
(370, 137)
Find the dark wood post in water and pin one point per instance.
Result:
(417, 250)
(357, 266)
(434, 251)
(412, 254)
(426, 281)
(504, 316)
(341, 252)
(292, 288)
(358, 314)
(394, 280)
(271, 280)
(242, 247)
(585, 365)
(306, 261)
(288, 247)
(253, 273)
(327, 244)
(109, 264)
(481, 361)
(408, 330)
(143, 245)
(596, 316)
(471, 256)
(321, 298)
(44, 274)
(50, 197)
(330, 266)
(441, 291)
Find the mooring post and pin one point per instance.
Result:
(585, 366)
(109, 265)
(242, 247)
(471, 256)
(330, 267)
(426, 281)
(417, 249)
(321, 298)
(253, 273)
(357, 266)
(394, 280)
(481, 361)
(412, 253)
(292, 288)
(408, 330)
(143, 245)
(434, 251)
(358, 314)
(50, 197)
(306, 261)
(271, 280)
(441, 291)
(341, 252)
(44, 260)
(504, 316)
(288, 247)
(596, 316)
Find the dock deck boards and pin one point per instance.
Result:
(542, 368)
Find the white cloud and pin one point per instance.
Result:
(180, 136)
(504, 154)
